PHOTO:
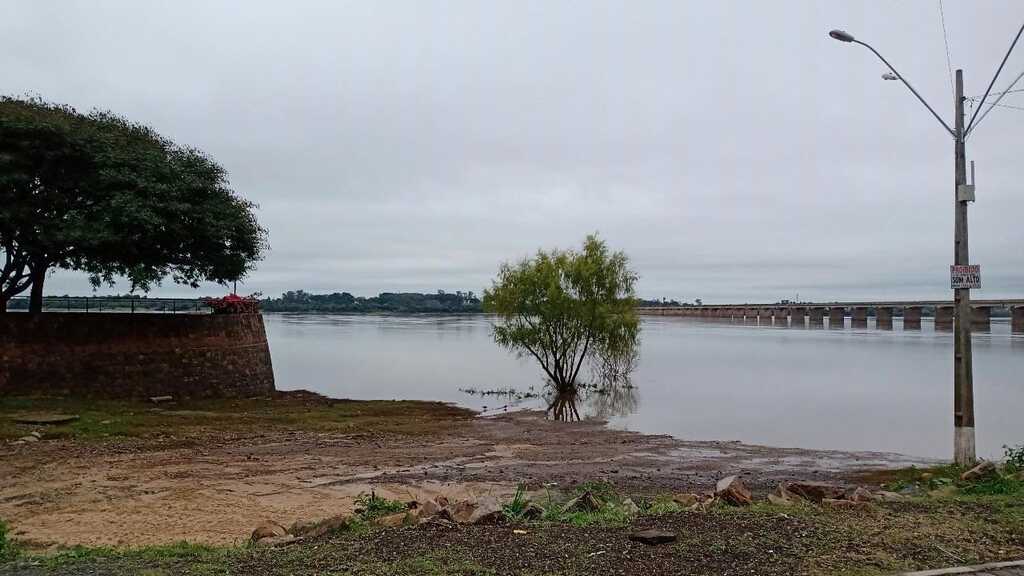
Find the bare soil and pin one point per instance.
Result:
(221, 472)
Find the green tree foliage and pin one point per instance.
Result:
(563, 307)
(401, 302)
(112, 198)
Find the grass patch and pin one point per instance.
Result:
(112, 420)
(8, 550)
(370, 506)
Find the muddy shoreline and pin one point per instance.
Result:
(210, 486)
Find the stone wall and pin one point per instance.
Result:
(134, 355)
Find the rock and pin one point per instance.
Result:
(160, 399)
(842, 504)
(301, 527)
(926, 476)
(29, 439)
(272, 541)
(887, 496)
(980, 471)
(630, 507)
(860, 495)
(462, 511)
(732, 491)
(268, 529)
(780, 501)
(45, 418)
(427, 509)
(944, 492)
(685, 500)
(488, 511)
(392, 520)
(324, 526)
(37, 434)
(652, 537)
(815, 491)
(585, 502)
(533, 511)
(442, 501)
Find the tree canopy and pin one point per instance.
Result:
(112, 198)
(563, 307)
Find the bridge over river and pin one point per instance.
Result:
(802, 314)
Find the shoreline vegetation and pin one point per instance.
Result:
(440, 302)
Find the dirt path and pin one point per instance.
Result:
(65, 492)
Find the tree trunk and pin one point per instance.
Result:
(35, 303)
(3, 304)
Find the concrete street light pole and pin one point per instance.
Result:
(963, 380)
(963, 375)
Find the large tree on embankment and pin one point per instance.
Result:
(112, 198)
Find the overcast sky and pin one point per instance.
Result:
(733, 150)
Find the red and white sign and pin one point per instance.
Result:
(965, 276)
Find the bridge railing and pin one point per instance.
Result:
(123, 304)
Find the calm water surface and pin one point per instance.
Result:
(850, 389)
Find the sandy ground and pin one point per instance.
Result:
(63, 493)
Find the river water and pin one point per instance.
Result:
(849, 389)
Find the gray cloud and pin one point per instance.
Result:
(732, 149)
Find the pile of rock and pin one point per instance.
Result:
(484, 510)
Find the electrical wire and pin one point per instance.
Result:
(976, 98)
(945, 37)
(1009, 106)
(992, 105)
(992, 83)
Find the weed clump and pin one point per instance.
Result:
(371, 506)
(7, 550)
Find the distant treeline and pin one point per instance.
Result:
(441, 302)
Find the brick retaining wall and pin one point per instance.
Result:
(135, 355)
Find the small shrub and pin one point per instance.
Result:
(1015, 456)
(371, 506)
(7, 550)
(515, 509)
(996, 484)
(662, 505)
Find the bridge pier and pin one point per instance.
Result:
(981, 318)
(943, 317)
(797, 317)
(1017, 319)
(912, 318)
(859, 317)
(836, 317)
(782, 317)
(883, 317)
(764, 316)
(816, 317)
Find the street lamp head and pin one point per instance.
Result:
(841, 36)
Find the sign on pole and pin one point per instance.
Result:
(965, 276)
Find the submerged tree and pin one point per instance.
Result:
(112, 198)
(563, 307)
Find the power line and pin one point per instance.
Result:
(992, 83)
(945, 37)
(1009, 89)
(1008, 106)
(976, 98)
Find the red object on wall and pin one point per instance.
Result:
(233, 304)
